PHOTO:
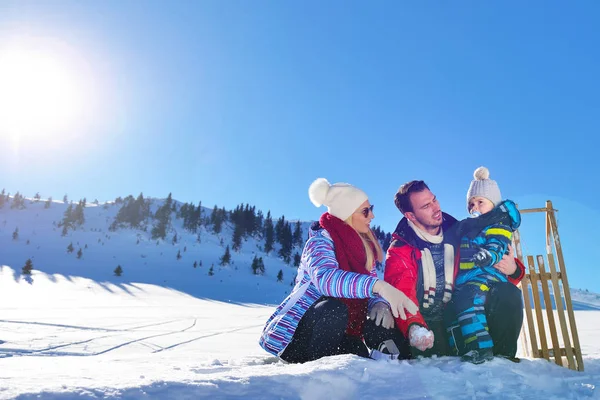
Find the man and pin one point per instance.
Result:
(423, 264)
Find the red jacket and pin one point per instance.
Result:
(403, 267)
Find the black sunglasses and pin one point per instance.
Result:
(365, 211)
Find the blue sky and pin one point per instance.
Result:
(232, 101)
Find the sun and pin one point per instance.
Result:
(41, 91)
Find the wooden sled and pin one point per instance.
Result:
(541, 279)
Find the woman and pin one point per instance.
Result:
(326, 312)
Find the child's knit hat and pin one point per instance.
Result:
(341, 199)
(484, 187)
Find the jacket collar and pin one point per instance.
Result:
(405, 233)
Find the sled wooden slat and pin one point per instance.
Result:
(549, 311)
(546, 276)
(538, 309)
(565, 282)
(532, 210)
(568, 350)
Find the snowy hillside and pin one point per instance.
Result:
(143, 259)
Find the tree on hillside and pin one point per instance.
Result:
(65, 199)
(179, 254)
(211, 270)
(163, 219)
(217, 218)
(77, 217)
(226, 258)
(48, 202)
(286, 243)
(18, 201)
(280, 276)
(258, 267)
(28, 267)
(37, 196)
(297, 260)
(79, 253)
(133, 212)
(297, 236)
(2, 198)
(118, 271)
(279, 228)
(15, 234)
(236, 240)
(70, 248)
(269, 233)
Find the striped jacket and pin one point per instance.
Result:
(479, 254)
(318, 275)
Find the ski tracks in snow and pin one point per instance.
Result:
(117, 338)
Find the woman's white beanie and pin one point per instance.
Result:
(341, 199)
(484, 186)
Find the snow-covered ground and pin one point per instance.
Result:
(69, 337)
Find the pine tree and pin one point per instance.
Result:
(297, 259)
(118, 271)
(236, 240)
(297, 236)
(195, 264)
(254, 265)
(79, 253)
(261, 266)
(48, 202)
(2, 198)
(65, 199)
(178, 254)
(269, 233)
(226, 258)
(286, 243)
(280, 276)
(70, 248)
(163, 219)
(65, 230)
(15, 234)
(26, 270)
(174, 241)
(211, 271)
(279, 228)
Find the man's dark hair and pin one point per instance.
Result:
(402, 197)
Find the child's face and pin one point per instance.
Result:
(480, 204)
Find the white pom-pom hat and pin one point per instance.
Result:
(483, 186)
(341, 199)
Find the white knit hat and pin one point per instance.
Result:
(341, 199)
(484, 187)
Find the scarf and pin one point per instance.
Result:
(429, 274)
(351, 256)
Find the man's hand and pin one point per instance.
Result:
(420, 338)
(380, 312)
(507, 265)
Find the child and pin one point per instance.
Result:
(480, 250)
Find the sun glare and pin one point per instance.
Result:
(41, 92)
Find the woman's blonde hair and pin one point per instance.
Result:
(367, 239)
